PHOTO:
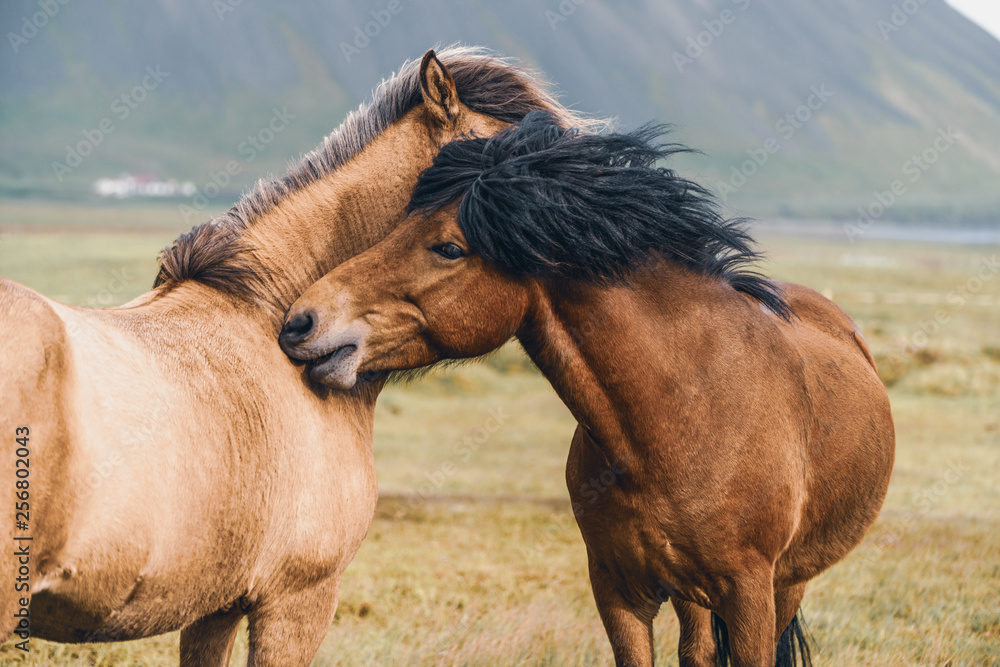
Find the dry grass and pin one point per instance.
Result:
(485, 566)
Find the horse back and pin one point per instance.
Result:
(818, 313)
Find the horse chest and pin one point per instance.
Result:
(630, 531)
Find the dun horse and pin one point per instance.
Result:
(748, 434)
(182, 471)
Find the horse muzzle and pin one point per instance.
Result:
(335, 356)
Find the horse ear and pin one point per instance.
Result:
(438, 88)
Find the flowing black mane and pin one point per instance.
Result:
(539, 199)
(214, 252)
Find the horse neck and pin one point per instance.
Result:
(315, 228)
(606, 349)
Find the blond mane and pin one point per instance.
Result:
(212, 252)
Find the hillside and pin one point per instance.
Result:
(730, 74)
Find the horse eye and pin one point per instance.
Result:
(448, 250)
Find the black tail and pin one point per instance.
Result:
(721, 635)
(793, 647)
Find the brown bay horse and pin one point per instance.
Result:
(748, 435)
(182, 472)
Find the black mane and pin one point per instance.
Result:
(215, 252)
(538, 199)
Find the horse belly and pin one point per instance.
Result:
(154, 542)
(126, 572)
(71, 620)
(131, 607)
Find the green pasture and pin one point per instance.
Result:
(474, 558)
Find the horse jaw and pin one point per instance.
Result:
(339, 368)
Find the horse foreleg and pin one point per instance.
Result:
(208, 642)
(696, 645)
(287, 630)
(748, 610)
(629, 627)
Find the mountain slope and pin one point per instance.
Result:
(884, 85)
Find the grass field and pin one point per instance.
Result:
(485, 566)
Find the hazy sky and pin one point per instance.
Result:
(984, 12)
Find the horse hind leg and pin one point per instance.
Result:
(696, 646)
(208, 642)
(287, 630)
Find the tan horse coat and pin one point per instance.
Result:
(183, 472)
